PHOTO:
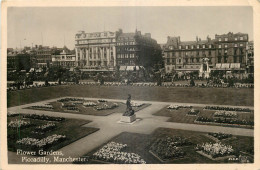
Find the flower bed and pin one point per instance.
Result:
(102, 100)
(134, 104)
(44, 117)
(176, 107)
(193, 112)
(227, 108)
(68, 99)
(111, 152)
(89, 104)
(106, 106)
(45, 128)
(168, 148)
(215, 150)
(9, 114)
(19, 124)
(42, 107)
(220, 135)
(73, 108)
(43, 143)
(224, 121)
(225, 114)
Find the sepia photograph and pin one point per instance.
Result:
(109, 85)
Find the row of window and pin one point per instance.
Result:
(226, 39)
(96, 49)
(127, 49)
(204, 46)
(126, 43)
(126, 56)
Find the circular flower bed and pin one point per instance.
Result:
(68, 99)
(111, 152)
(215, 150)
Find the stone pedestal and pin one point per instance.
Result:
(128, 119)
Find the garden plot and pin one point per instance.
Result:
(33, 132)
(100, 107)
(166, 145)
(227, 116)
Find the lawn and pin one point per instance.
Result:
(180, 115)
(141, 143)
(217, 96)
(57, 107)
(72, 128)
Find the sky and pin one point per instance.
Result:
(57, 26)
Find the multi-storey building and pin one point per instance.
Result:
(96, 49)
(225, 52)
(187, 55)
(64, 59)
(135, 49)
(231, 49)
(18, 61)
(250, 56)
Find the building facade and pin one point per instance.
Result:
(225, 52)
(250, 56)
(18, 61)
(187, 55)
(64, 59)
(135, 49)
(95, 50)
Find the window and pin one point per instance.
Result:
(241, 38)
(192, 47)
(219, 39)
(180, 47)
(179, 60)
(187, 47)
(219, 46)
(173, 54)
(241, 45)
(198, 53)
(198, 46)
(186, 54)
(225, 45)
(210, 46)
(226, 39)
(203, 46)
(170, 47)
(235, 45)
(209, 53)
(235, 39)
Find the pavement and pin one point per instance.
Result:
(109, 126)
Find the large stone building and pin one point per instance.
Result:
(18, 61)
(64, 59)
(95, 50)
(250, 56)
(225, 52)
(135, 49)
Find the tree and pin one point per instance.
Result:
(192, 83)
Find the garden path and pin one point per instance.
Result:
(109, 126)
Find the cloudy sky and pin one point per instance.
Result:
(50, 26)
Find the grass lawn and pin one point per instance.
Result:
(72, 128)
(91, 111)
(218, 96)
(180, 115)
(141, 143)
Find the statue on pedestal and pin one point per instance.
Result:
(129, 111)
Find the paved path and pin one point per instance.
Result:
(109, 126)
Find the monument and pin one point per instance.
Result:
(204, 68)
(129, 115)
